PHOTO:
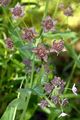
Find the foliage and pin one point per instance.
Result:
(27, 63)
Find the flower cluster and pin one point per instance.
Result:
(29, 34)
(9, 43)
(68, 11)
(54, 90)
(61, 6)
(41, 52)
(4, 2)
(57, 46)
(43, 103)
(17, 11)
(48, 24)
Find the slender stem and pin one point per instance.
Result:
(46, 9)
(32, 74)
(71, 75)
(45, 14)
(14, 115)
(30, 15)
(56, 8)
(67, 22)
(29, 96)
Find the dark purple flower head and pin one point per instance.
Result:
(4, 2)
(57, 81)
(43, 104)
(48, 88)
(41, 52)
(64, 102)
(29, 34)
(9, 43)
(68, 11)
(56, 100)
(48, 24)
(26, 62)
(17, 11)
(62, 84)
(57, 46)
(61, 6)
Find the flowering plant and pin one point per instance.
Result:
(38, 60)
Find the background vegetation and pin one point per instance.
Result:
(14, 74)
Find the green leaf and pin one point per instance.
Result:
(65, 35)
(18, 102)
(24, 92)
(38, 90)
(8, 114)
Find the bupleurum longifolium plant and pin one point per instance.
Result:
(39, 60)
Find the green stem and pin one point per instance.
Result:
(14, 115)
(71, 75)
(45, 14)
(29, 96)
(46, 9)
(55, 12)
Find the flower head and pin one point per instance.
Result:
(26, 61)
(41, 52)
(43, 104)
(29, 34)
(57, 47)
(48, 88)
(64, 102)
(61, 6)
(17, 11)
(62, 115)
(58, 82)
(68, 11)
(56, 100)
(74, 89)
(4, 2)
(48, 24)
(9, 43)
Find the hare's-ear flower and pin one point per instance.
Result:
(29, 34)
(41, 52)
(68, 11)
(57, 46)
(9, 43)
(49, 24)
(74, 89)
(4, 2)
(43, 104)
(62, 115)
(17, 11)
